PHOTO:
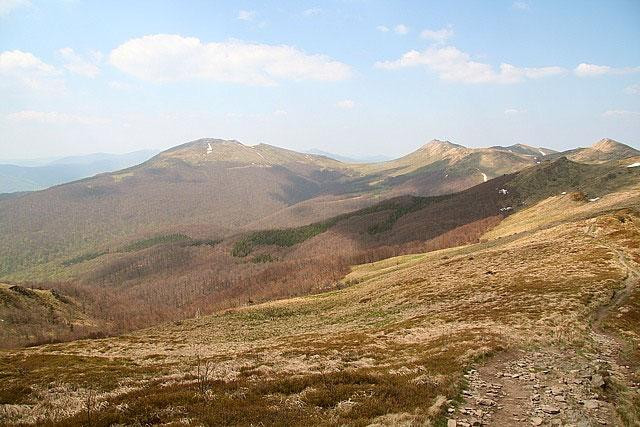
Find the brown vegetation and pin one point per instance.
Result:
(390, 348)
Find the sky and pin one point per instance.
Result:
(353, 77)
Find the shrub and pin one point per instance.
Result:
(262, 258)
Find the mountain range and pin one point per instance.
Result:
(19, 176)
(212, 188)
(238, 285)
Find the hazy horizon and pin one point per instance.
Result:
(353, 155)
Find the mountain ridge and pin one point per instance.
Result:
(223, 186)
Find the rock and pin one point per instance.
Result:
(486, 402)
(556, 391)
(536, 421)
(475, 423)
(597, 380)
(559, 398)
(591, 404)
(463, 424)
(452, 423)
(451, 410)
(550, 409)
(535, 397)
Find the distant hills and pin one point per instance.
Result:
(212, 223)
(350, 159)
(211, 189)
(38, 175)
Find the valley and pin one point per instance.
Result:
(397, 345)
(399, 308)
(334, 213)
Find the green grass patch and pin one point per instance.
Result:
(84, 257)
(153, 241)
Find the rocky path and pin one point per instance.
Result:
(552, 386)
(540, 388)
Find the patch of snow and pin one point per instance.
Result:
(260, 154)
(209, 148)
(541, 152)
(484, 176)
(503, 191)
(446, 176)
(508, 208)
(563, 193)
(634, 165)
(252, 165)
(595, 199)
(537, 163)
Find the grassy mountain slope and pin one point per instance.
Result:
(181, 187)
(394, 347)
(213, 188)
(30, 316)
(174, 275)
(602, 151)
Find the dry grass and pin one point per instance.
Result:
(562, 208)
(387, 349)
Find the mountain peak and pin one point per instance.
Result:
(607, 145)
(447, 145)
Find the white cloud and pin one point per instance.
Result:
(168, 58)
(55, 118)
(8, 6)
(401, 29)
(247, 15)
(117, 85)
(28, 70)
(621, 113)
(314, 11)
(633, 89)
(346, 104)
(521, 5)
(592, 70)
(454, 65)
(437, 36)
(280, 113)
(382, 28)
(513, 112)
(76, 64)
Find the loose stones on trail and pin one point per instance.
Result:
(551, 387)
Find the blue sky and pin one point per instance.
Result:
(351, 77)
